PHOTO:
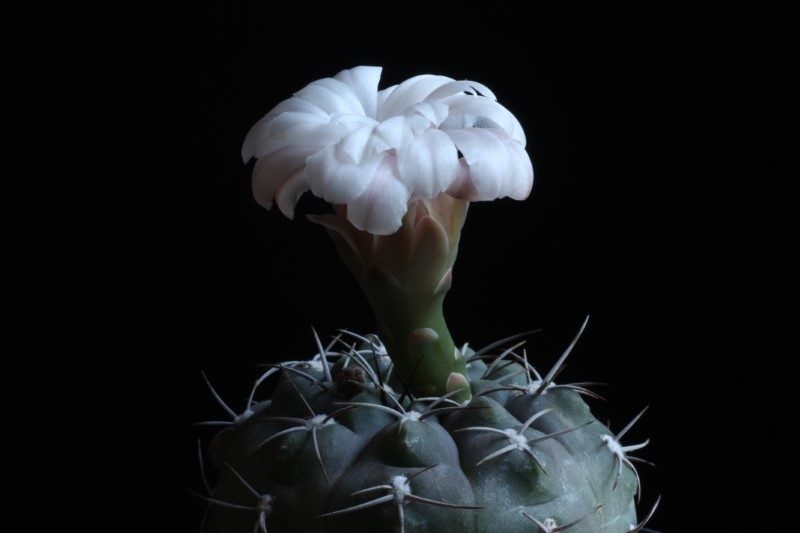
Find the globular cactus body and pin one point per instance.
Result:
(342, 448)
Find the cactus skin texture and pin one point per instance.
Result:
(340, 448)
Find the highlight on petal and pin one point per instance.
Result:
(374, 151)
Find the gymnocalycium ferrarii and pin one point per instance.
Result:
(404, 430)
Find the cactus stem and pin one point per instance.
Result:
(549, 525)
(399, 492)
(375, 375)
(517, 439)
(312, 425)
(324, 385)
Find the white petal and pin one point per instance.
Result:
(428, 164)
(380, 209)
(298, 105)
(475, 106)
(363, 144)
(290, 129)
(273, 170)
(401, 130)
(520, 176)
(435, 112)
(408, 93)
(498, 165)
(457, 87)
(257, 135)
(352, 121)
(364, 83)
(332, 95)
(334, 176)
(290, 192)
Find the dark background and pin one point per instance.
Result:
(164, 265)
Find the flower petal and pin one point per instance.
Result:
(467, 111)
(498, 165)
(428, 164)
(435, 112)
(459, 87)
(336, 176)
(408, 93)
(298, 105)
(332, 95)
(401, 130)
(272, 171)
(290, 192)
(364, 83)
(297, 128)
(380, 209)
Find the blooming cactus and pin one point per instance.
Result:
(405, 432)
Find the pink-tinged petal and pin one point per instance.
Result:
(462, 186)
(428, 164)
(290, 191)
(498, 165)
(273, 170)
(364, 83)
(408, 93)
(380, 209)
(331, 95)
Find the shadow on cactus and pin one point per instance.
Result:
(403, 430)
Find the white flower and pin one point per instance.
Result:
(376, 151)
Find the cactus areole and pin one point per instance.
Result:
(405, 431)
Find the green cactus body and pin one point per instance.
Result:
(340, 448)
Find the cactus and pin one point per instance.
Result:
(403, 431)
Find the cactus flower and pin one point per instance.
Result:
(376, 151)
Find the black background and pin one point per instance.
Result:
(128, 125)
